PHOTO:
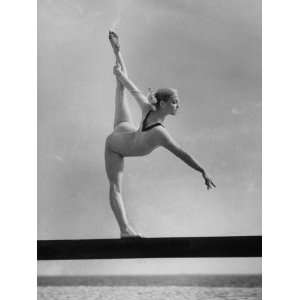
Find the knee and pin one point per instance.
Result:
(114, 188)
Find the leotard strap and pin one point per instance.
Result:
(145, 127)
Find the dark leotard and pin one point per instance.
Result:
(145, 128)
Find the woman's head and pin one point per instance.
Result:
(165, 99)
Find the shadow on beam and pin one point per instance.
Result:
(236, 246)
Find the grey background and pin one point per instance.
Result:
(211, 52)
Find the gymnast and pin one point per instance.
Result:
(126, 140)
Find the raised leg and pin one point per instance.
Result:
(122, 111)
(115, 44)
(114, 168)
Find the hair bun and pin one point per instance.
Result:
(151, 97)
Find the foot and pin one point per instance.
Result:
(129, 232)
(114, 41)
(132, 237)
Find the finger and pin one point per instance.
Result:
(213, 184)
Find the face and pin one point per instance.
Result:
(172, 105)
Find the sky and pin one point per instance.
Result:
(210, 51)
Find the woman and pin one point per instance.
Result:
(126, 140)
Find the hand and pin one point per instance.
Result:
(117, 70)
(114, 41)
(208, 182)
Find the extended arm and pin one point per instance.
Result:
(132, 88)
(169, 143)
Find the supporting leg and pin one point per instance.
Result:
(114, 169)
(118, 209)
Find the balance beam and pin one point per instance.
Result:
(230, 246)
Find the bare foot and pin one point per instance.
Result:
(114, 41)
(129, 232)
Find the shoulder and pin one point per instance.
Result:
(161, 135)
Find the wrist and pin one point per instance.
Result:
(202, 172)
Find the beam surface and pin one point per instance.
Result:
(234, 246)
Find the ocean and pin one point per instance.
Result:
(166, 287)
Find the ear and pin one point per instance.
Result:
(162, 104)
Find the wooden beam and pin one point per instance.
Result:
(232, 246)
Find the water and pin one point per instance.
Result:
(229, 287)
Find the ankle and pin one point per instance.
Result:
(127, 230)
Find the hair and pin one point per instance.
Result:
(161, 94)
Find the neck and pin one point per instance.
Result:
(158, 116)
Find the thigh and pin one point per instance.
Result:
(114, 164)
(125, 127)
(122, 111)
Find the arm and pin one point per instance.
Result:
(132, 88)
(121, 74)
(170, 144)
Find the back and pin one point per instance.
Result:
(146, 126)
